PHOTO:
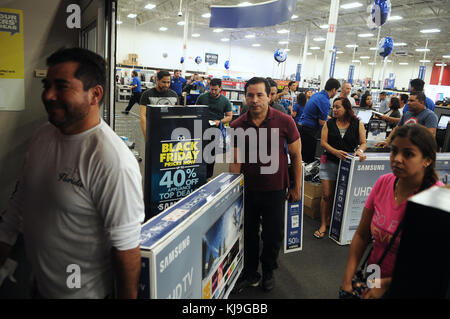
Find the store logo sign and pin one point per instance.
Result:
(74, 19)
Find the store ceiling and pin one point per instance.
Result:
(416, 15)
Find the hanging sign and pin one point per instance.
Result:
(211, 58)
(333, 62)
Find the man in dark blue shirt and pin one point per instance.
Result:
(136, 89)
(315, 114)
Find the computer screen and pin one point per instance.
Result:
(442, 125)
(364, 116)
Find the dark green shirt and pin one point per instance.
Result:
(217, 107)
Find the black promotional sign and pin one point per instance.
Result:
(174, 165)
(211, 58)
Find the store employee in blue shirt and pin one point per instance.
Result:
(177, 82)
(314, 116)
(417, 85)
(136, 89)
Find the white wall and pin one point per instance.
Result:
(245, 61)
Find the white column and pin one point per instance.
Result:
(441, 73)
(331, 35)
(305, 55)
(375, 58)
(185, 36)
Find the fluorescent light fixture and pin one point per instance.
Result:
(256, 45)
(364, 57)
(319, 39)
(372, 63)
(351, 5)
(314, 48)
(388, 61)
(195, 35)
(400, 44)
(351, 46)
(283, 31)
(440, 64)
(324, 26)
(339, 52)
(422, 50)
(244, 4)
(283, 42)
(446, 56)
(308, 53)
(218, 30)
(150, 6)
(206, 15)
(403, 63)
(119, 22)
(250, 36)
(225, 39)
(365, 35)
(337, 57)
(356, 61)
(163, 29)
(180, 22)
(395, 18)
(132, 15)
(424, 61)
(294, 17)
(430, 31)
(287, 50)
(373, 49)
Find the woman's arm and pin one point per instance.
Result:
(362, 142)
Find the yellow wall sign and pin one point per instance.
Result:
(12, 85)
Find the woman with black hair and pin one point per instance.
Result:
(297, 109)
(413, 158)
(366, 101)
(392, 117)
(342, 134)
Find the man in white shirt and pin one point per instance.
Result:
(345, 93)
(79, 201)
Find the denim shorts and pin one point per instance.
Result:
(328, 171)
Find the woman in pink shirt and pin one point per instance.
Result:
(413, 157)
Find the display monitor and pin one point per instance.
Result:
(442, 125)
(364, 116)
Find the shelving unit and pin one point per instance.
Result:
(234, 91)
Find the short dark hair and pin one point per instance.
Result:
(417, 84)
(215, 82)
(176, 71)
(272, 83)
(404, 98)
(395, 103)
(420, 96)
(257, 80)
(290, 83)
(301, 99)
(332, 84)
(383, 93)
(134, 72)
(91, 66)
(162, 74)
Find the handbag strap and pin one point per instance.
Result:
(391, 242)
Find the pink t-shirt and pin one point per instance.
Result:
(386, 217)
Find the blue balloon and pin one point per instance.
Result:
(280, 55)
(227, 64)
(198, 60)
(385, 46)
(182, 60)
(381, 10)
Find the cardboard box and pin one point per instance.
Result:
(312, 212)
(313, 190)
(311, 202)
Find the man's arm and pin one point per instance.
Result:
(127, 268)
(432, 130)
(294, 194)
(228, 117)
(235, 166)
(143, 117)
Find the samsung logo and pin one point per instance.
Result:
(371, 167)
(174, 253)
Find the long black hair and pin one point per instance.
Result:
(425, 141)
(349, 113)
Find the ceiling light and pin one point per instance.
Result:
(394, 18)
(180, 22)
(218, 30)
(403, 63)
(287, 50)
(256, 45)
(308, 53)
(446, 56)
(206, 15)
(132, 15)
(150, 6)
(250, 36)
(119, 22)
(339, 52)
(244, 4)
(388, 61)
(365, 35)
(337, 57)
(356, 61)
(424, 61)
(294, 17)
(314, 48)
(440, 64)
(224, 39)
(373, 49)
(283, 31)
(283, 42)
(319, 39)
(372, 63)
(324, 26)
(422, 50)
(400, 44)
(195, 35)
(364, 57)
(351, 5)
(163, 29)
(430, 31)
(351, 46)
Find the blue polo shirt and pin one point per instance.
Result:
(428, 103)
(177, 84)
(136, 81)
(317, 108)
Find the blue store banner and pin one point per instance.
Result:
(333, 62)
(422, 72)
(299, 71)
(258, 15)
(174, 165)
(351, 70)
